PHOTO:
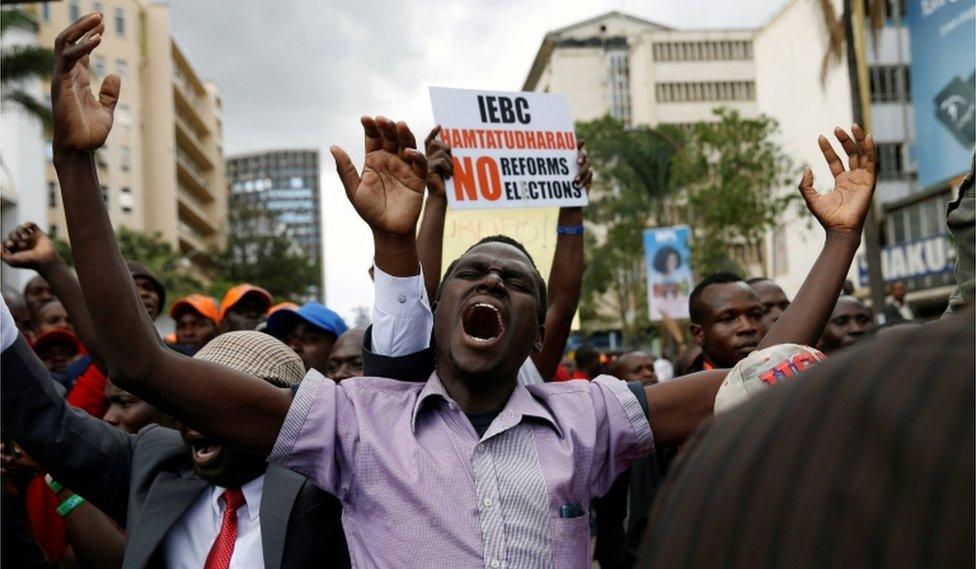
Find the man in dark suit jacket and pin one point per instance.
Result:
(159, 482)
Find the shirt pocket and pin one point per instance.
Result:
(571, 542)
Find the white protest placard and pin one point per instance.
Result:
(510, 150)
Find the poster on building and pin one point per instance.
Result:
(943, 87)
(510, 150)
(669, 280)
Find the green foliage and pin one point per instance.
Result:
(259, 252)
(729, 173)
(166, 263)
(629, 194)
(22, 64)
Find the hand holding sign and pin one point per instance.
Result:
(390, 192)
(439, 164)
(844, 209)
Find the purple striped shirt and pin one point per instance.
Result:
(420, 488)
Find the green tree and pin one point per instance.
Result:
(259, 251)
(729, 175)
(23, 64)
(629, 194)
(169, 266)
(166, 263)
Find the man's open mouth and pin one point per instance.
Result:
(482, 323)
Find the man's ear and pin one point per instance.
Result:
(698, 334)
(539, 339)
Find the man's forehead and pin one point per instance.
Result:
(495, 251)
(720, 296)
(351, 340)
(848, 305)
(767, 288)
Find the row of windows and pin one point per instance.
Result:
(890, 83)
(296, 183)
(275, 161)
(892, 9)
(100, 67)
(923, 219)
(74, 13)
(702, 50)
(705, 91)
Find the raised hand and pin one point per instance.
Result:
(440, 167)
(27, 247)
(844, 209)
(389, 194)
(81, 123)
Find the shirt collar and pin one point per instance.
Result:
(252, 497)
(520, 404)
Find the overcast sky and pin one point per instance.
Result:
(300, 73)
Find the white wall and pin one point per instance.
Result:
(788, 53)
(24, 162)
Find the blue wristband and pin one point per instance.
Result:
(569, 230)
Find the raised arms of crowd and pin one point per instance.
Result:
(203, 394)
(676, 408)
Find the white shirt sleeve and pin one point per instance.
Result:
(402, 319)
(8, 329)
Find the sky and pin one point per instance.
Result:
(300, 73)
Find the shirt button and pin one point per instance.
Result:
(495, 563)
(401, 298)
(487, 502)
(480, 447)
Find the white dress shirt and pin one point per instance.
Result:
(402, 320)
(8, 328)
(189, 541)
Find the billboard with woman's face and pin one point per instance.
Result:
(669, 280)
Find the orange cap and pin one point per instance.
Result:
(236, 293)
(170, 338)
(282, 306)
(206, 306)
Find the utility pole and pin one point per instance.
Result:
(857, 66)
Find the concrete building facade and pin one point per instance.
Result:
(284, 183)
(162, 167)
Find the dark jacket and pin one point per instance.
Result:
(145, 482)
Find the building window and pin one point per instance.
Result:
(98, 65)
(120, 22)
(74, 10)
(121, 68)
(702, 51)
(891, 160)
(46, 11)
(105, 194)
(700, 92)
(97, 7)
(890, 84)
(52, 194)
(125, 157)
(618, 83)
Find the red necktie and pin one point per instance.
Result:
(223, 546)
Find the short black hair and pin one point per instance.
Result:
(542, 304)
(661, 257)
(721, 277)
(755, 280)
(586, 356)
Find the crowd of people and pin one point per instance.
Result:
(455, 430)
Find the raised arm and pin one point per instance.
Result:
(677, 407)
(565, 278)
(389, 193)
(27, 247)
(841, 213)
(430, 237)
(211, 397)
